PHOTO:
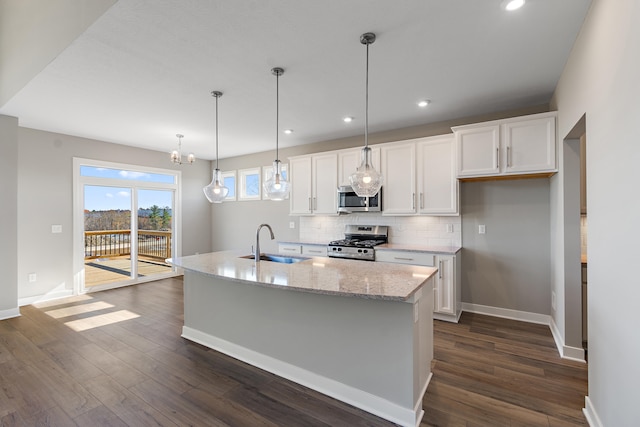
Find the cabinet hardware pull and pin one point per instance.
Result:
(498, 157)
(402, 259)
(413, 199)
(421, 200)
(439, 269)
(314, 251)
(315, 204)
(508, 156)
(309, 204)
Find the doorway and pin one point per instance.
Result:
(126, 222)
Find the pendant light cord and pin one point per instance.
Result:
(366, 103)
(277, 110)
(217, 132)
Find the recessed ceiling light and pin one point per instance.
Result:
(424, 103)
(288, 131)
(348, 119)
(512, 4)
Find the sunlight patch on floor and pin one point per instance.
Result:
(101, 320)
(78, 309)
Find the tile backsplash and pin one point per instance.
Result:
(409, 230)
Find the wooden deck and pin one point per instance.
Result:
(101, 271)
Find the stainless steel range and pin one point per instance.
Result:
(358, 242)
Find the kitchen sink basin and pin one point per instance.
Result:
(277, 258)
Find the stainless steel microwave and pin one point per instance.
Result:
(349, 201)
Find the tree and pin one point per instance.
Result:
(166, 218)
(154, 217)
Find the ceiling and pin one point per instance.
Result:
(144, 70)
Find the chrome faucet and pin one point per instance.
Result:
(257, 254)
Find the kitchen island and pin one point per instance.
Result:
(358, 331)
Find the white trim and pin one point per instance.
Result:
(448, 317)
(353, 396)
(566, 352)
(45, 297)
(242, 181)
(8, 314)
(507, 313)
(230, 174)
(590, 413)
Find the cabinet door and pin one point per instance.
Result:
(314, 250)
(399, 179)
(444, 301)
(289, 248)
(437, 183)
(478, 151)
(325, 184)
(300, 173)
(530, 146)
(349, 160)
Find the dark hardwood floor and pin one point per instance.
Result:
(116, 358)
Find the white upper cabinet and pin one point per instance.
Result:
(313, 184)
(399, 179)
(349, 161)
(518, 146)
(437, 183)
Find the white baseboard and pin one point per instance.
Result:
(46, 297)
(507, 313)
(566, 351)
(8, 314)
(590, 413)
(345, 393)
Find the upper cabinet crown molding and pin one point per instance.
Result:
(507, 148)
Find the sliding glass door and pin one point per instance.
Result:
(129, 224)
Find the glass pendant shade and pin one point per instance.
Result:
(276, 187)
(216, 192)
(366, 181)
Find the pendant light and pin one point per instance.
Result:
(277, 187)
(216, 192)
(366, 181)
(176, 155)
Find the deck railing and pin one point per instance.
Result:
(112, 243)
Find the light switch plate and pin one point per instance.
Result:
(56, 228)
(292, 224)
(482, 229)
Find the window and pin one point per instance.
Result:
(249, 184)
(229, 181)
(131, 175)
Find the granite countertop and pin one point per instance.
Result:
(330, 276)
(449, 250)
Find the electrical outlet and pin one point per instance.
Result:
(292, 224)
(32, 277)
(482, 229)
(449, 228)
(56, 228)
(553, 300)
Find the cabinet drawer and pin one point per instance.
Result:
(314, 250)
(402, 257)
(289, 248)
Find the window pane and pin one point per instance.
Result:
(98, 172)
(253, 185)
(230, 183)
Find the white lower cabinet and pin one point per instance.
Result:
(314, 250)
(446, 291)
(290, 248)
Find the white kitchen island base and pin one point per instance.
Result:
(374, 354)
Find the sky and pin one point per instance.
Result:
(106, 197)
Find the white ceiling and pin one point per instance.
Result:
(145, 69)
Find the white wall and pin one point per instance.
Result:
(8, 216)
(45, 197)
(601, 80)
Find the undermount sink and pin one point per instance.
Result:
(277, 258)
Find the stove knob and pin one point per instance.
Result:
(339, 249)
(365, 251)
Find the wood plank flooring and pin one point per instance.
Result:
(116, 358)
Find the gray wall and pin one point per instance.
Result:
(508, 267)
(601, 82)
(45, 197)
(8, 215)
